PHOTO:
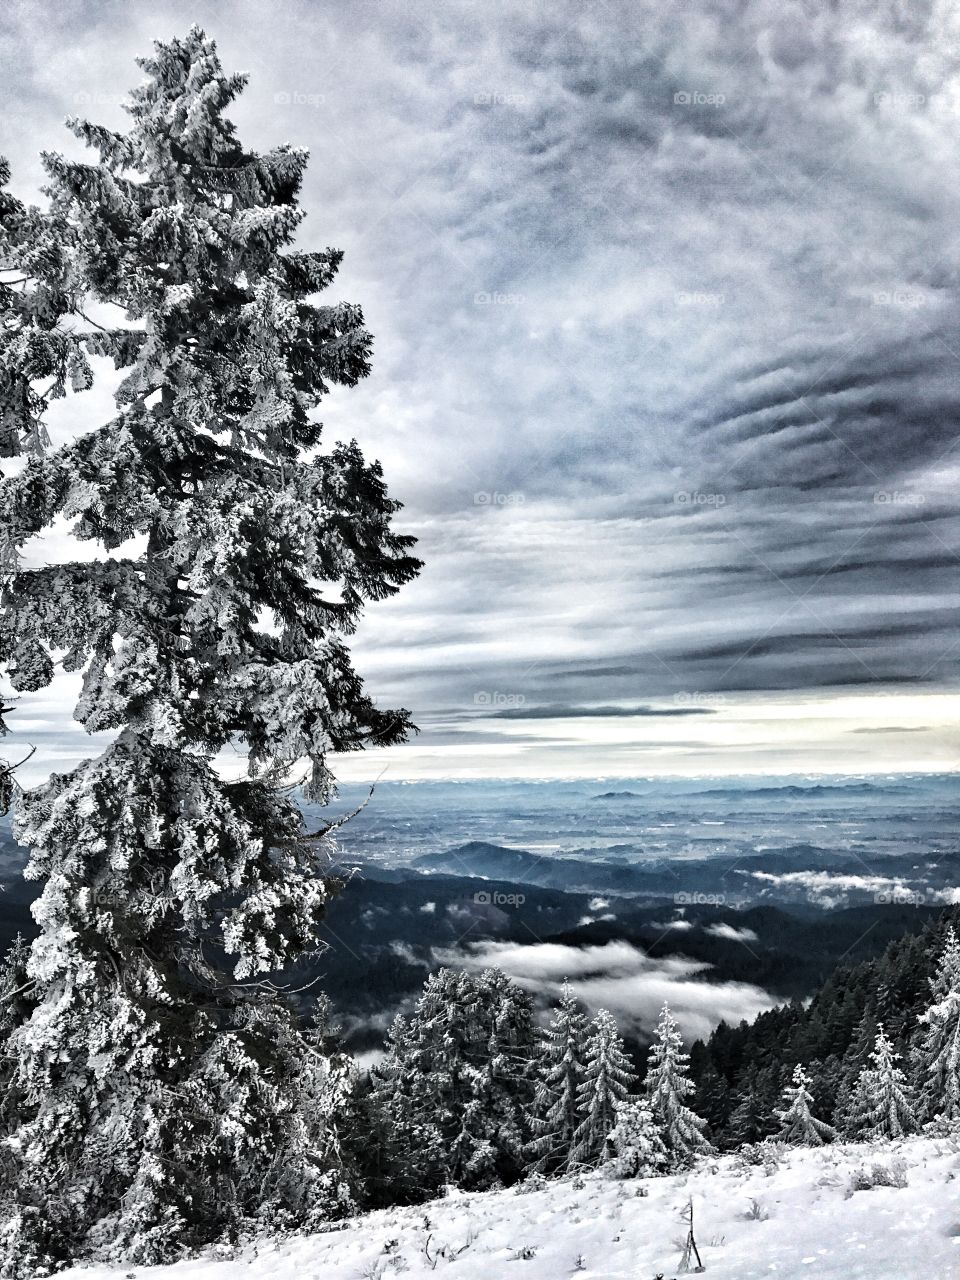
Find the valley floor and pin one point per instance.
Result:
(798, 1221)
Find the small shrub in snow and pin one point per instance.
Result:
(769, 1153)
(447, 1251)
(756, 1212)
(879, 1175)
(942, 1126)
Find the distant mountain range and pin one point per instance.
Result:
(794, 874)
(817, 792)
(820, 791)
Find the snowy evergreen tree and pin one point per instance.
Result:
(36, 294)
(667, 1087)
(160, 1072)
(37, 291)
(411, 1087)
(607, 1080)
(377, 1167)
(638, 1148)
(499, 1078)
(458, 1081)
(750, 1119)
(560, 1076)
(938, 1051)
(16, 1006)
(882, 1105)
(798, 1126)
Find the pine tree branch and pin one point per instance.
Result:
(80, 312)
(337, 823)
(10, 995)
(9, 768)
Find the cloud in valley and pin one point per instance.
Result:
(730, 932)
(619, 977)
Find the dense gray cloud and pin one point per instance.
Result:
(667, 344)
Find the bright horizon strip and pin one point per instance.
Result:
(744, 734)
(852, 734)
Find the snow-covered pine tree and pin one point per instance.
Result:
(238, 560)
(882, 1105)
(499, 1075)
(411, 1088)
(35, 348)
(502, 1084)
(379, 1169)
(639, 1151)
(798, 1126)
(937, 1054)
(667, 1087)
(608, 1078)
(750, 1119)
(560, 1074)
(16, 1005)
(458, 1080)
(37, 291)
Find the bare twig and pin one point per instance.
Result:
(9, 768)
(10, 995)
(338, 822)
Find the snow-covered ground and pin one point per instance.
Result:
(797, 1221)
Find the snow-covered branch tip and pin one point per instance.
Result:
(8, 783)
(337, 823)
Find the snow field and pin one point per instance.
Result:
(799, 1221)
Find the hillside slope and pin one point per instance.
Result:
(805, 1223)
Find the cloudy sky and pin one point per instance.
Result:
(667, 358)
